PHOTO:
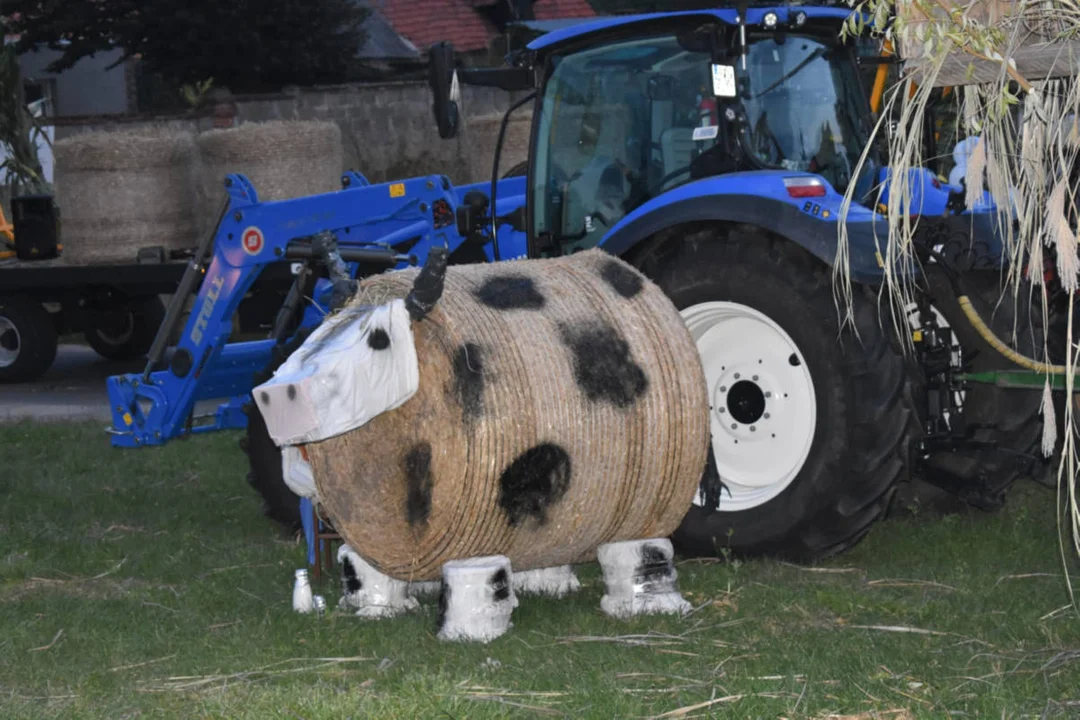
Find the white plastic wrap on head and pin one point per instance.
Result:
(371, 593)
(554, 582)
(640, 579)
(357, 364)
(297, 472)
(477, 599)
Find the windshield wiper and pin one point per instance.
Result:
(809, 59)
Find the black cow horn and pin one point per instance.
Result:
(428, 286)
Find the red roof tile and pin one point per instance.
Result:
(556, 9)
(425, 22)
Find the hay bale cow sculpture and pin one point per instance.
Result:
(457, 423)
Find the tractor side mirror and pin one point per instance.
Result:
(441, 78)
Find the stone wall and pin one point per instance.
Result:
(388, 130)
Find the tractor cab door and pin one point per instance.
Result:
(619, 123)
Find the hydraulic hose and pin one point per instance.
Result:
(987, 334)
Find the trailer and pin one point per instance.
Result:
(116, 307)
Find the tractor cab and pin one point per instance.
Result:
(630, 108)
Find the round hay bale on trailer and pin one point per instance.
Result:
(561, 405)
(282, 159)
(121, 191)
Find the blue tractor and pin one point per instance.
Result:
(711, 149)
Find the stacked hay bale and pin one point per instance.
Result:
(281, 159)
(121, 191)
(561, 405)
(480, 136)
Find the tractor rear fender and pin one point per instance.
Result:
(762, 200)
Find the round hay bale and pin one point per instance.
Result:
(282, 159)
(561, 405)
(121, 191)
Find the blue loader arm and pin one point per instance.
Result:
(367, 221)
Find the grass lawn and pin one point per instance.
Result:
(146, 583)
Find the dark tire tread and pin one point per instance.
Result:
(852, 490)
(280, 504)
(1015, 413)
(148, 314)
(37, 339)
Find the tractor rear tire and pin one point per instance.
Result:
(519, 170)
(280, 503)
(807, 480)
(1008, 451)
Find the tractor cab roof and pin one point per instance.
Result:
(589, 30)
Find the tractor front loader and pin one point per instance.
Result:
(711, 149)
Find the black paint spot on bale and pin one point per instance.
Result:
(292, 392)
(603, 365)
(500, 585)
(265, 396)
(444, 605)
(378, 339)
(535, 481)
(469, 381)
(418, 477)
(654, 573)
(352, 580)
(510, 292)
(625, 281)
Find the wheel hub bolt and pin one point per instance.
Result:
(734, 426)
(736, 376)
(753, 429)
(755, 378)
(768, 394)
(723, 388)
(766, 416)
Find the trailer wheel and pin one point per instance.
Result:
(810, 426)
(27, 339)
(280, 504)
(124, 330)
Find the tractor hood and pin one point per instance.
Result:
(583, 31)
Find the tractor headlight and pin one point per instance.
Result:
(769, 20)
(799, 19)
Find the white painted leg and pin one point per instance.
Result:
(556, 582)
(371, 593)
(640, 578)
(429, 588)
(477, 599)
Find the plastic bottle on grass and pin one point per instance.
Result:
(302, 600)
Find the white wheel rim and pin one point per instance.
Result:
(10, 342)
(763, 407)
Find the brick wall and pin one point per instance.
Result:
(388, 130)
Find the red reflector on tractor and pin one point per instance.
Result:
(804, 187)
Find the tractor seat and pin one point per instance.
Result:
(677, 149)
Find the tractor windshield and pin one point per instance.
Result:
(619, 124)
(805, 109)
(625, 121)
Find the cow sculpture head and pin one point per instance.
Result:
(357, 364)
